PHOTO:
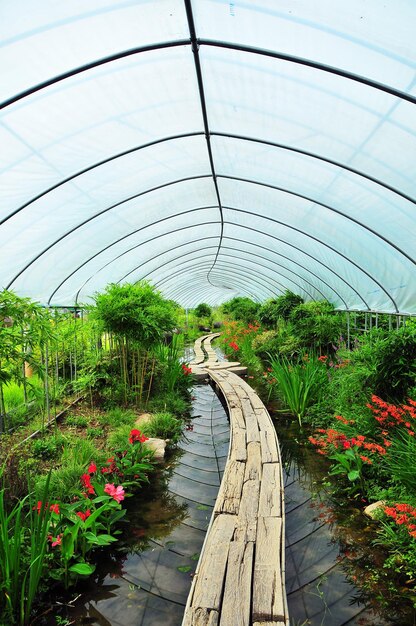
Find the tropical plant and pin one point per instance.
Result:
(202, 310)
(299, 384)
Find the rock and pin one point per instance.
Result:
(143, 419)
(371, 508)
(158, 446)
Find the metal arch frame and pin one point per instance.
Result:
(270, 219)
(177, 293)
(234, 273)
(106, 210)
(245, 252)
(203, 293)
(241, 226)
(164, 219)
(248, 252)
(251, 261)
(182, 228)
(230, 264)
(177, 181)
(197, 225)
(198, 70)
(325, 206)
(216, 44)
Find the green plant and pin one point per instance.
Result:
(202, 310)
(169, 402)
(77, 420)
(23, 547)
(400, 462)
(80, 450)
(163, 426)
(243, 309)
(49, 447)
(95, 432)
(117, 417)
(299, 384)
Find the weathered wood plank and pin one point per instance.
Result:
(236, 417)
(250, 420)
(201, 617)
(246, 529)
(238, 447)
(279, 623)
(256, 403)
(253, 464)
(268, 589)
(268, 440)
(270, 503)
(229, 495)
(213, 562)
(237, 591)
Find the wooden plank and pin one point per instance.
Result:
(270, 503)
(236, 417)
(268, 590)
(256, 403)
(242, 393)
(246, 529)
(238, 447)
(252, 426)
(268, 440)
(263, 418)
(237, 591)
(229, 495)
(213, 562)
(279, 623)
(253, 465)
(201, 617)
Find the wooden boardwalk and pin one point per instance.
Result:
(240, 579)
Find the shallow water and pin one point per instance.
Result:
(145, 582)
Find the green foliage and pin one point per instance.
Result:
(242, 309)
(117, 417)
(400, 462)
(393, 355)
(137, 312)
(163, 426)
(118, 439)
(269, 314)
(170, 403)
(23, 547)
(95, 432)
(285, 304)
(169, 370)
(316, 326)
(202, 310)
(80, 451)
(77, 420)
(299, 384)
(64, 482)
(49, 447)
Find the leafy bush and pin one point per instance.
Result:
(170, 403)
(269, 314)
(202, 310)
(116, 417)
(163, 426)
(285, 304)
(77, 420)
(316, 326)
(49, 447)
(243, 309)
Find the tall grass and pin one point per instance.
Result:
(163, 426)
(169, 358)
(400, 462)
(298, 384)
(23, 546)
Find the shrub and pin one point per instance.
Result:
(243, 309)
(170, 403)
(163, 426)
(269, 314)
(77, 420)
(285, 304)
(202, 310)
(49, 447)
(117, 417)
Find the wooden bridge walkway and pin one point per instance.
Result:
(240, 577)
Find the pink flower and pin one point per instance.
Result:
(116, 492)
(92, 468)
(55, 542)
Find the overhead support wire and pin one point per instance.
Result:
(195, 50)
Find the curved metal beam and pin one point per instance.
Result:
(325, 206)
(246, 228)
(253, 254)
(163, 219)
(323, 243)
(252, 262)
(235, 265)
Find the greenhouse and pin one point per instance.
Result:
(207, 313)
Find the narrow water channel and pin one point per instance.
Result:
(147, 580)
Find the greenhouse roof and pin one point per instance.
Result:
(214, 148)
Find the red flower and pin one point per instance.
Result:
(54, 508)
(86, 481)
(186, 370)
(92, 468)
(136, 435)
(234, 346)
(83, 516)
(55, 542)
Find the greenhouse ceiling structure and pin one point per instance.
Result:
(213, 148)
